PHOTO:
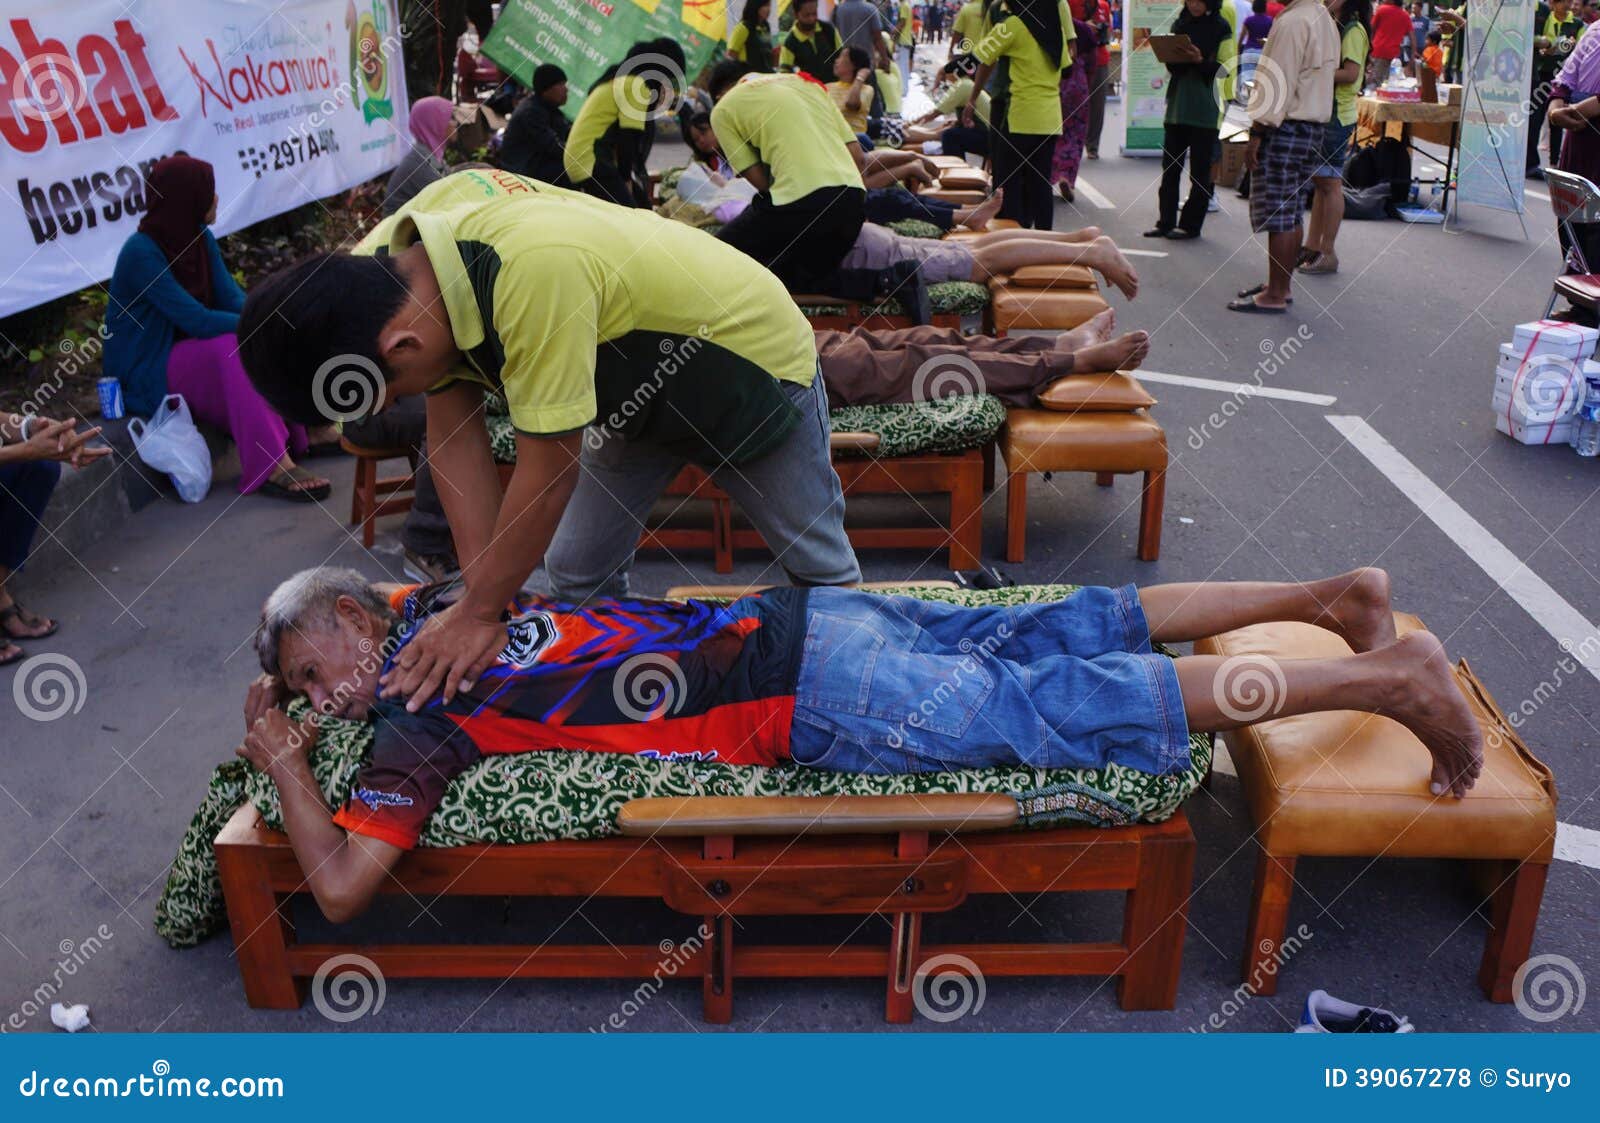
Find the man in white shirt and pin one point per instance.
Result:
(1289, 107)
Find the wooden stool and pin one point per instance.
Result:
(1105, 443)
(1351, 784)
(373, 497)
(1043, 298)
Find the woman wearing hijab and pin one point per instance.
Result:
(172, 313)
(432, 122)
(1575, 112)
(1194, 112)
(616, 126)
(1074, 111)
(1031, 37)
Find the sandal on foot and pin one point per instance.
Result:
(1322, 263)
(1248, 304)
(16, 656)
(15, 611)
(297, 486)
(1257, 290)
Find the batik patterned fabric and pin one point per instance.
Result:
(947, 298)
(544, 796)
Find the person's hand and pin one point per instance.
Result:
(277, 746)
(930, 168)
(1252, 153)
(59, 440)
(1566, 117)
(266, 693)
(1190, 53)
(447, 655)
(969, 115)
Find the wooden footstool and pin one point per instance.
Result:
(1043, 298)
(1105, 443)
(374, 496)
(1349, 784)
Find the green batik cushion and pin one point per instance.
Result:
(903, 428)
(948, 298)
(914, 228)
(943, 425)
(543, 796)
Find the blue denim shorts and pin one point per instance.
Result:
(897, 684)
(1335, 150)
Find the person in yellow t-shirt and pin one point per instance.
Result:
(612, 134)
(751, 39)
(851, 90)
(967, 28)
(624, 345)
(1034, 38)
(943, 122)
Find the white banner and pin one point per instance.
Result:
(1497, 67)
(290, 100)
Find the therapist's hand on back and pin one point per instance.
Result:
(445, 657)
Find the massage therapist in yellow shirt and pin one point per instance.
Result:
(783, 133)
(1034, 36)
(612, 134)
(625, 345)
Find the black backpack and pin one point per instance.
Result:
(1387, 162)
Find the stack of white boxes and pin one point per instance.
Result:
(1539, 381)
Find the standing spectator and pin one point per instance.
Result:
(1288, 116)
(1433, 59)
(32, 450)
(751, 39)
(1420, 26)
(933, 24)
(536, 135)
(1252, 38)
(173, 314)
(1275, 9)
(432, 122)
(1190, 126)
(1068, 156)
(1327, 202)
(861, 25)
(810, 45)
(1556, 32)
(616, 126)
(1097, 14)
(1391, 28)
(1033, 38)
(905, 43)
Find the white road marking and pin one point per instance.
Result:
(1144, 253)
(1243, 389)
(1086, 189)
(1573, 844)
(1549, 609)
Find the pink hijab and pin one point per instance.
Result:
(430, 123)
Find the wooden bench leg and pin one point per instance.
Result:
(364, 499)
(1016, 515)
(905, 943)
(261, 931)
(966, 517)
(722, 535)
(1269, 916)
(991, 453)
(1105, 479)
(717, 989)
(1154, 923)
(1513, 912)
(1150, 510)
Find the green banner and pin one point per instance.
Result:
(586, 38)
(1144, 77)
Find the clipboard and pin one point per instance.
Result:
(1169, 48)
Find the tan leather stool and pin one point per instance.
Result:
(1350, 784)
(373, 497)
(1043, 297)
(1103, 442)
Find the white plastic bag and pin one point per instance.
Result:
(170, 443)
(695, 186)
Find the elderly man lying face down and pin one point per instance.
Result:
(825, 677)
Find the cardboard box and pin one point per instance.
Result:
(1554, 337)
(1228, 171)
(1532, 434)
(1543, 389)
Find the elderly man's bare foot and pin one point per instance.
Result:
(1096, 329)
(1356, 605)
(1125, 352)
(1116, 269)
(1423, 697)
(1085, 234)
(982, 214)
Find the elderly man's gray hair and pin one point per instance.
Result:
(305, 603)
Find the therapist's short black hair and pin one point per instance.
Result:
(724, 76)
(308, 334)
